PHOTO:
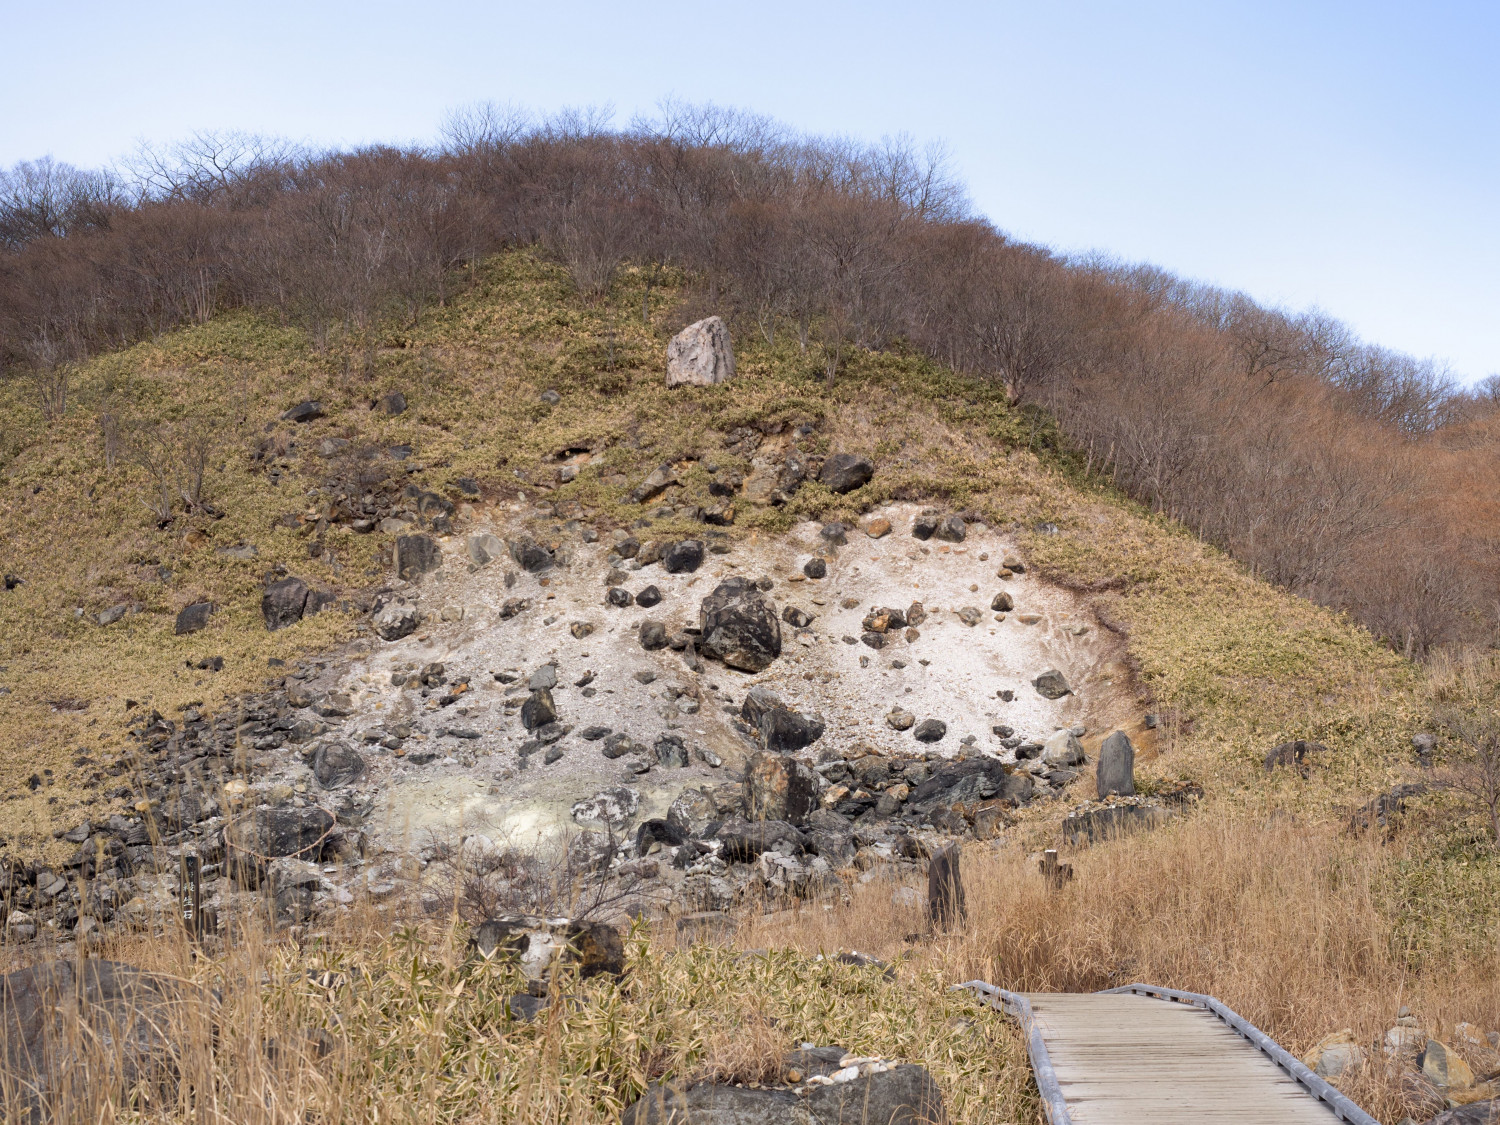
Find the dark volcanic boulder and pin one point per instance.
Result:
(539, 710)
(255, 838)
(743, 840)
(283, 603)
(930, 730)
(708, 1104)
(77, 1033)
(193, 618)
(739, 626)
(336, 765)
(979, 779)
(417, 555)
(903, 1095)
(1052, 685)
(683, 557)
(844, 472)
(781, 730)
(305, 411)
(779, 787)
(530, 555)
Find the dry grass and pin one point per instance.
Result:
(409, 1028)
(1294, 925)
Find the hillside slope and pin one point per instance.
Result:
(1293, 919)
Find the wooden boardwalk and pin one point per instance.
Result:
(1141, 1054)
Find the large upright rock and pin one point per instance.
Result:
(1116, 770)
(700, 355)
(946, 909)
(739, 626)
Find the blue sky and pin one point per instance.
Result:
(1342, 155)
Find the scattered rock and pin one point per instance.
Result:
(617, 746)
(660, 479)
(952, 529)
(530, 555)
(397, 620)
(283, 602)
(619, 597)
(946, 909)
(540, 945)
(305, 411)
(1334, 1055)
(700, 355)
(112, 614)
(484, 548)
(671, 751)
(815, 568)
(1442, 1066)
(1294, 755)
(1093, 825)
(779, 787)
(739, 627)
(392, 404)
(58, 1002)
(898, 719)
(1051, 685)
(611, 806)
(1062, 749)
(1003, 603)
(878, 528)
(416, 555)
(336, 765)
(193, 618)
(683, 557)
(971, 615)
(782, 730)
(648, 597)
(653, 635)
(539, 710)
(930, 730)
(844, 472)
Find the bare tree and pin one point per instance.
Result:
(1474, 771)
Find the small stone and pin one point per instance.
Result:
(566, 474)
(683, 557)
(618, 597)
(645, 676)
(970, 615)
(898, 719)
(878, 528)
(952, 529)
(844, 472)
(653, 635)
(193, 618)
(1003, 603)
(551, 398)
(815, 568)
(648, 597)
(1052, 685)
(930, 730)
(594, 733)
(580, 629)
(796, 618)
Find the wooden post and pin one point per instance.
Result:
(1054, 872)
(190, 893)
(945, 891)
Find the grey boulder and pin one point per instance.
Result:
(700, 355)
(1116, 770)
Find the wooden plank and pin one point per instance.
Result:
(1123, 1059)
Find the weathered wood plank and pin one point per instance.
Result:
(1134, 1060)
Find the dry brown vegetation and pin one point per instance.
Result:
(1349, 474)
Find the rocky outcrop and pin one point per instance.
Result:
(700, 355)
